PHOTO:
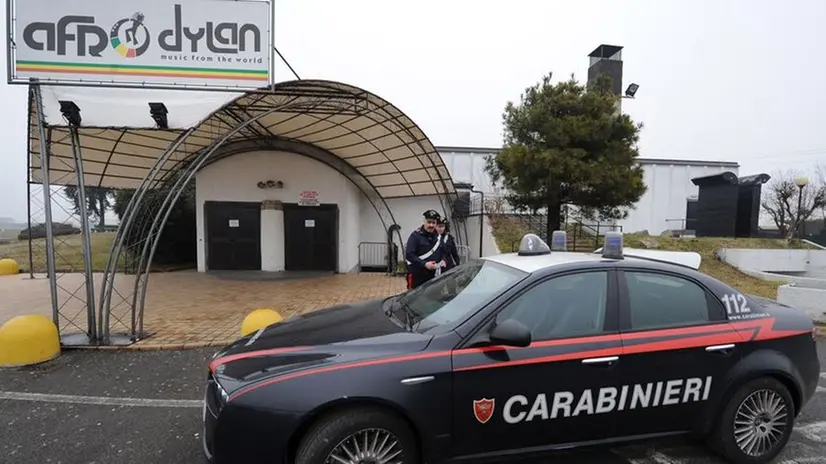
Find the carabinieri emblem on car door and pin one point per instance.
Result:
(483, 409)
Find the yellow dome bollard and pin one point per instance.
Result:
(258, 319)
(28, 339)
(9, 266)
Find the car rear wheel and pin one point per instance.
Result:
(359, 436)
(756, 423)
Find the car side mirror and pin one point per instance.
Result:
(510, 332)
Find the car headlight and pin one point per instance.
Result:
(224, 394)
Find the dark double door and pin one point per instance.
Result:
(233, 234)
(311, 238)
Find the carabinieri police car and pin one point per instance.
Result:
(514, 355)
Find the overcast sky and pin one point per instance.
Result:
(729, 80)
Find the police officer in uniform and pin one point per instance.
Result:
(422, 253)
(450, 254)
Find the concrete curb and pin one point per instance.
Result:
(157, 346)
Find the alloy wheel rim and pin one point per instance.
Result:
(760, 422)
(368, 446)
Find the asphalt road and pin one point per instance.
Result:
(103, 416)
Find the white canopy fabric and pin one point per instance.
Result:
(119, 145)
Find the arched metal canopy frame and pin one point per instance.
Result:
(365, 138)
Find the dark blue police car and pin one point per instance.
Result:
(518, 354)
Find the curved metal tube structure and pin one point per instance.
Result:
(150, 245)
(124, 228)
(446, 205)
(155, 232)
(255, 137)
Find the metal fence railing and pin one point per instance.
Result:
(588, 236)
(582, 236)
(373, 257)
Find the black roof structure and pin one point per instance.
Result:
(727, 205)
(730, 178)
(605, 51)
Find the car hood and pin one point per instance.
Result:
(338, 334)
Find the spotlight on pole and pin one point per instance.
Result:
(70, 112)
(158, 112)
(631, 90)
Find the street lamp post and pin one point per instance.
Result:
(801, 183)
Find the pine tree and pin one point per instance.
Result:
(568, 144)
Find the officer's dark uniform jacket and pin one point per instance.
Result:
(449, 252)
(422, 246)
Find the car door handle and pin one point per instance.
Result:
(720, 348)
(597, 361)
(417, 380)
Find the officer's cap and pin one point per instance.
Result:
(432, 215)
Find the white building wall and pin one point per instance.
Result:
(468, 166)
(406, 211)
(663, 206)
(669, 185)
(488, 241)
(236, 178)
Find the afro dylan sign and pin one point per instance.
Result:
(195, 44)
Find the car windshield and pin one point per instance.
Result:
(456, 293)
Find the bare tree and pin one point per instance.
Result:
(782, 196)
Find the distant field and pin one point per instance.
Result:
(9, 233)
(68, 252)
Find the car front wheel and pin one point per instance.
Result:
(359, 436)
(756, 423)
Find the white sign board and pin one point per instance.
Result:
(152, 43)
(309, 223)
(234, 223)
(308, 198)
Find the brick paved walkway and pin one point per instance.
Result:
(187, 309)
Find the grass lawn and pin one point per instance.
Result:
(507, 231)
(68, 252)
(713, 266)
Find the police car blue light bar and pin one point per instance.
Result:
(559, 241)
(612, 249)
(532, 245)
